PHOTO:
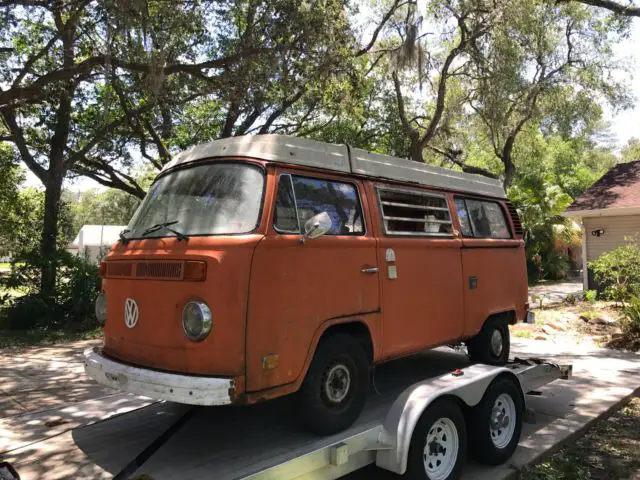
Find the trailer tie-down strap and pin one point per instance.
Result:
(153, 447)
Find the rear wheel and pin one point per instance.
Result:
(496, 422)
(492, 344)
(438, 444)
(335, 389)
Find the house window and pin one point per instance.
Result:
(414, 213)
(300, 198)
(481, 219)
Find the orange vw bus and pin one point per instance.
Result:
(259, 266)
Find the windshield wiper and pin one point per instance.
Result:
(124, 239)
(165, 226)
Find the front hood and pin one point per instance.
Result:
(150, 273)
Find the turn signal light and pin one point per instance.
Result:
(195, 271)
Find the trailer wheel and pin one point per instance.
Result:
(335, 389)
(496, 422)
(492, 344)
(439, 443)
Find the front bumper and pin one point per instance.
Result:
(173, 387)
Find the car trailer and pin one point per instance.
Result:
(427, 429)
(421, 431)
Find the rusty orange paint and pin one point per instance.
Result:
(270, 294)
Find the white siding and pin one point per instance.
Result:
(615, 231)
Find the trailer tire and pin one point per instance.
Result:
(336, 386)
(438, 447)
(496, 422)
(492, 344)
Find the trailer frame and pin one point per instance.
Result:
(387, 444)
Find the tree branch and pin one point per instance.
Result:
(17, 137)
(278, 112)
(452, 156)
(33, 92)
(615, 7)
(396, 5)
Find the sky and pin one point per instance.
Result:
(624, 124)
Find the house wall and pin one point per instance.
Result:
(616, 229)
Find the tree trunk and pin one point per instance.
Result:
(53, 191)
(509, 170)
(416, 148)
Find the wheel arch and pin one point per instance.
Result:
(359, 327)
(468, 390)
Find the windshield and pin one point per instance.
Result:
(212, 199)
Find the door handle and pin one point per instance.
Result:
(369, 269)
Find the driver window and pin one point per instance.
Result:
(310, 196)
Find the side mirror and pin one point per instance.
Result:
(317, 225)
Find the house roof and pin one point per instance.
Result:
(618, 188)
(97, 235)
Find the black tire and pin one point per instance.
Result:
(482, 436)
(443, 408)
(480, 347)
(335, 355)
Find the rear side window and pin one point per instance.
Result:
(481, 218)
(414, 213)
(300, 198)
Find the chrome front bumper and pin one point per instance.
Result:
(173, 387)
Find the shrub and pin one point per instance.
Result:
(555, 265)
(590, 296)
(77, 285)
(618, 271)
(630, 324)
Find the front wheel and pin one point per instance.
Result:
(335, 389)
(439, 443)
(492, 344)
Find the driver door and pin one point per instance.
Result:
(297, 285)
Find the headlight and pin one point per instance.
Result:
(196, 320)
(101, 308)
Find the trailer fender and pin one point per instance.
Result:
(468, 385)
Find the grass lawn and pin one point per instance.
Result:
(609, 450)
(45, 336)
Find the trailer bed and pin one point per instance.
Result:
(228, 443)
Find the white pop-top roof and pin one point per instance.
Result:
(341, 158)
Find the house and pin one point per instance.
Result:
(94, 241)
(609, 212)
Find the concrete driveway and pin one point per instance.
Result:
(52, 417)
(553, 292)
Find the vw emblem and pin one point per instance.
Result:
(130, 313)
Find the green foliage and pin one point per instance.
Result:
(591, 296)
(630, 324)
(94, 207)
(11, 176)
(77, 285)
(631, 151)
(618, 271)
(555, 265)
(540, 205)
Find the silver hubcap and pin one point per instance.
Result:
(503, 420)
(441, 449)
(337, 383)
(496, 343)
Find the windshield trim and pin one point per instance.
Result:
(200, 163)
